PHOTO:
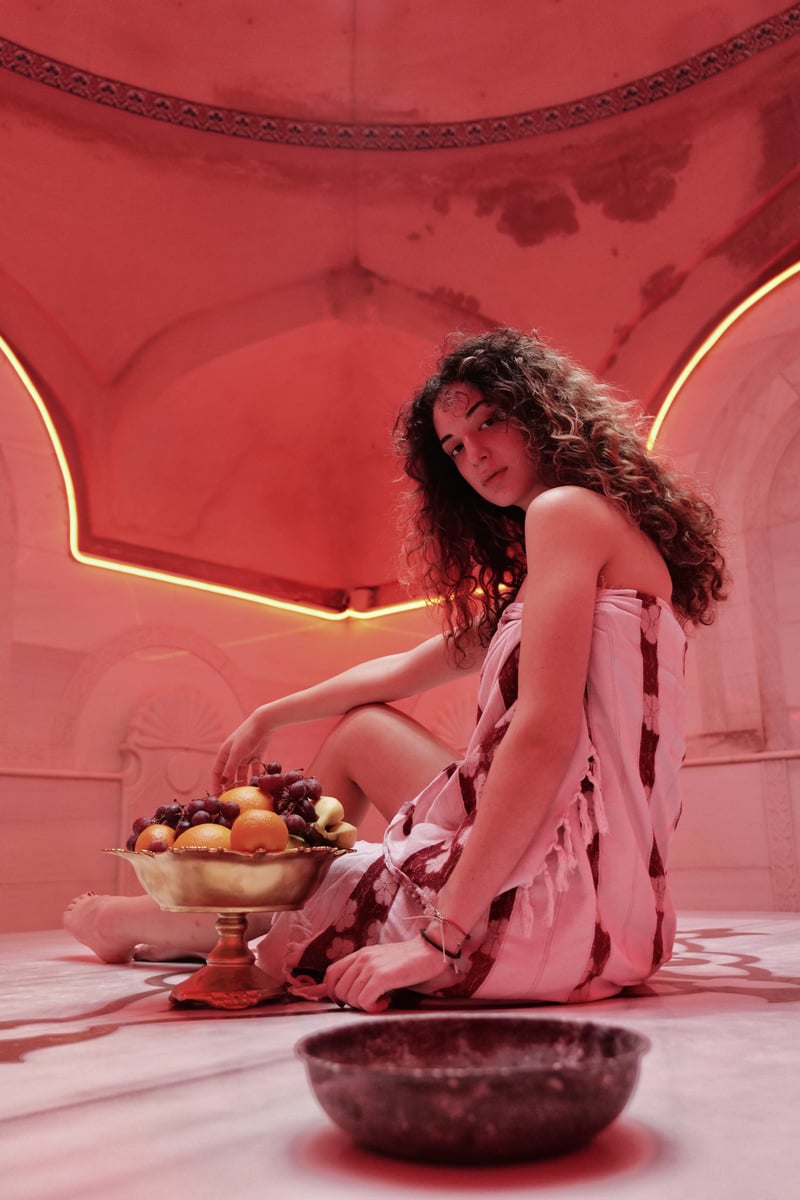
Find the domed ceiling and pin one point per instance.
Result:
(234, 237)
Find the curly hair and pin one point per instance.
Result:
(469, 554)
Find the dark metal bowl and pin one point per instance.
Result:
(466, 1089)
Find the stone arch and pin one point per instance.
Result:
(729, 426)
(8, 566)
(352, 293)
(736, 425)
(33, 519)
(101, 661)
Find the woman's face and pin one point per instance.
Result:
(490, 452)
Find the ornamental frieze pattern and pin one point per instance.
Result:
(451, 135)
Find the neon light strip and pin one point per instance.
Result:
(711, 341)
(107, 564)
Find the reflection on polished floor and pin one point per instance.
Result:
(108, 1091)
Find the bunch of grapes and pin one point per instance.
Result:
(293, 797)
(205, 811)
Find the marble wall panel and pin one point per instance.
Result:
(54, 832)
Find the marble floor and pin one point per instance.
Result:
(110, 1092)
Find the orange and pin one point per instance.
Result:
(204, 837)
(155, 833)
(258, 830)
(248, 797)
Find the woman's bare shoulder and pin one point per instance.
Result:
(569, 500)
(581, 532)
(571, 519)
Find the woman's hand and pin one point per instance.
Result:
(248, 741)
(365, 978)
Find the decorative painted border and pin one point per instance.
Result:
(335, 135)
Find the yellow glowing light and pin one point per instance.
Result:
(711, 341)
(107, 564)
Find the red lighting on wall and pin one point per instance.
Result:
(309, 610)
(711, 341)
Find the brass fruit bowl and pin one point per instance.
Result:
(208, 880)
(231, 885)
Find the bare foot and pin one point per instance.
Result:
(90, 920)
(114, 927)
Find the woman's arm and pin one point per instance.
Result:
(569, 533)
(380, 680)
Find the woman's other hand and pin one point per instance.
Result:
(248, 741)
(366, 978)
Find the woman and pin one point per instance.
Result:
(567, 562)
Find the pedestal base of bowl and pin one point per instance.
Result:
(230, 979)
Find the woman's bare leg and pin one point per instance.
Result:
(376, 754)
(113, 926)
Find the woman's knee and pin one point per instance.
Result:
(357, 730)
(387, 731)
(352, 732)
(383, 753)
(368, 720)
